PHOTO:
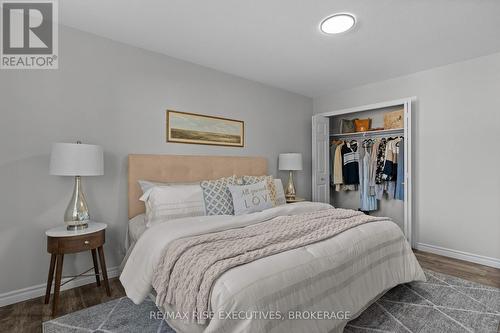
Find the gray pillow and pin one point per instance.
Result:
(251, 198)
(218, 200)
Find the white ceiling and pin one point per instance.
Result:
(278, 42)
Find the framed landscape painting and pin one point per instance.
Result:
(183, 127)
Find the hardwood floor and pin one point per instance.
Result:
(27, 316)
(459, 268)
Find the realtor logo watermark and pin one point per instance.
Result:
(29, 36)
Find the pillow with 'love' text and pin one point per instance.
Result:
(250, 198)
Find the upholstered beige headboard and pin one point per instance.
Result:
(184, 168)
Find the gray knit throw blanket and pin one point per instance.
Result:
(189, 266)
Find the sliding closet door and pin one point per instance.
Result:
(320, 159)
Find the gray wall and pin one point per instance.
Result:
(456, 160)
(115, 95)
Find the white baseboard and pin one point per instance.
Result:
(476, 258)
(20, 295)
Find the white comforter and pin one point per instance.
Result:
(332, 278)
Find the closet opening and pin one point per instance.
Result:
(362, 160)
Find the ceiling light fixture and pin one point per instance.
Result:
(338, 23)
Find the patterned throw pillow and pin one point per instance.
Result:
(250, 198)
(218, 200)
(247, 180)
(253, 179)
(239, 180)
(280, 192)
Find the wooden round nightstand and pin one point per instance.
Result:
(61, 241)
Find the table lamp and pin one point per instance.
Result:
(290, 162)
(76, 159)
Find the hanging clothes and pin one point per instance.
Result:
(391, 188)
(389, 171)
(373, 167)
(333, 147)
(368, 201)
(350, 158)
(380, 160)
(338, 165)
(396, 158)
(400, 190)
(361, 154)
(388, 160)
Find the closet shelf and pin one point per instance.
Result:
(395, 131)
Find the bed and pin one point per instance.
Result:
(318, 287)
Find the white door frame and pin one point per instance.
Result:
(408, 227)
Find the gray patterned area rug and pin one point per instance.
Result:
(442, 304)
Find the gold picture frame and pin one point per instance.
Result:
(193, 128)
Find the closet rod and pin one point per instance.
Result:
(370, 134)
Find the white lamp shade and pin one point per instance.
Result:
(290, 161)
(76, 159)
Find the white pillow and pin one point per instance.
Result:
(250, 198)
(280, 193)
(164, 203)
(148, 184)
